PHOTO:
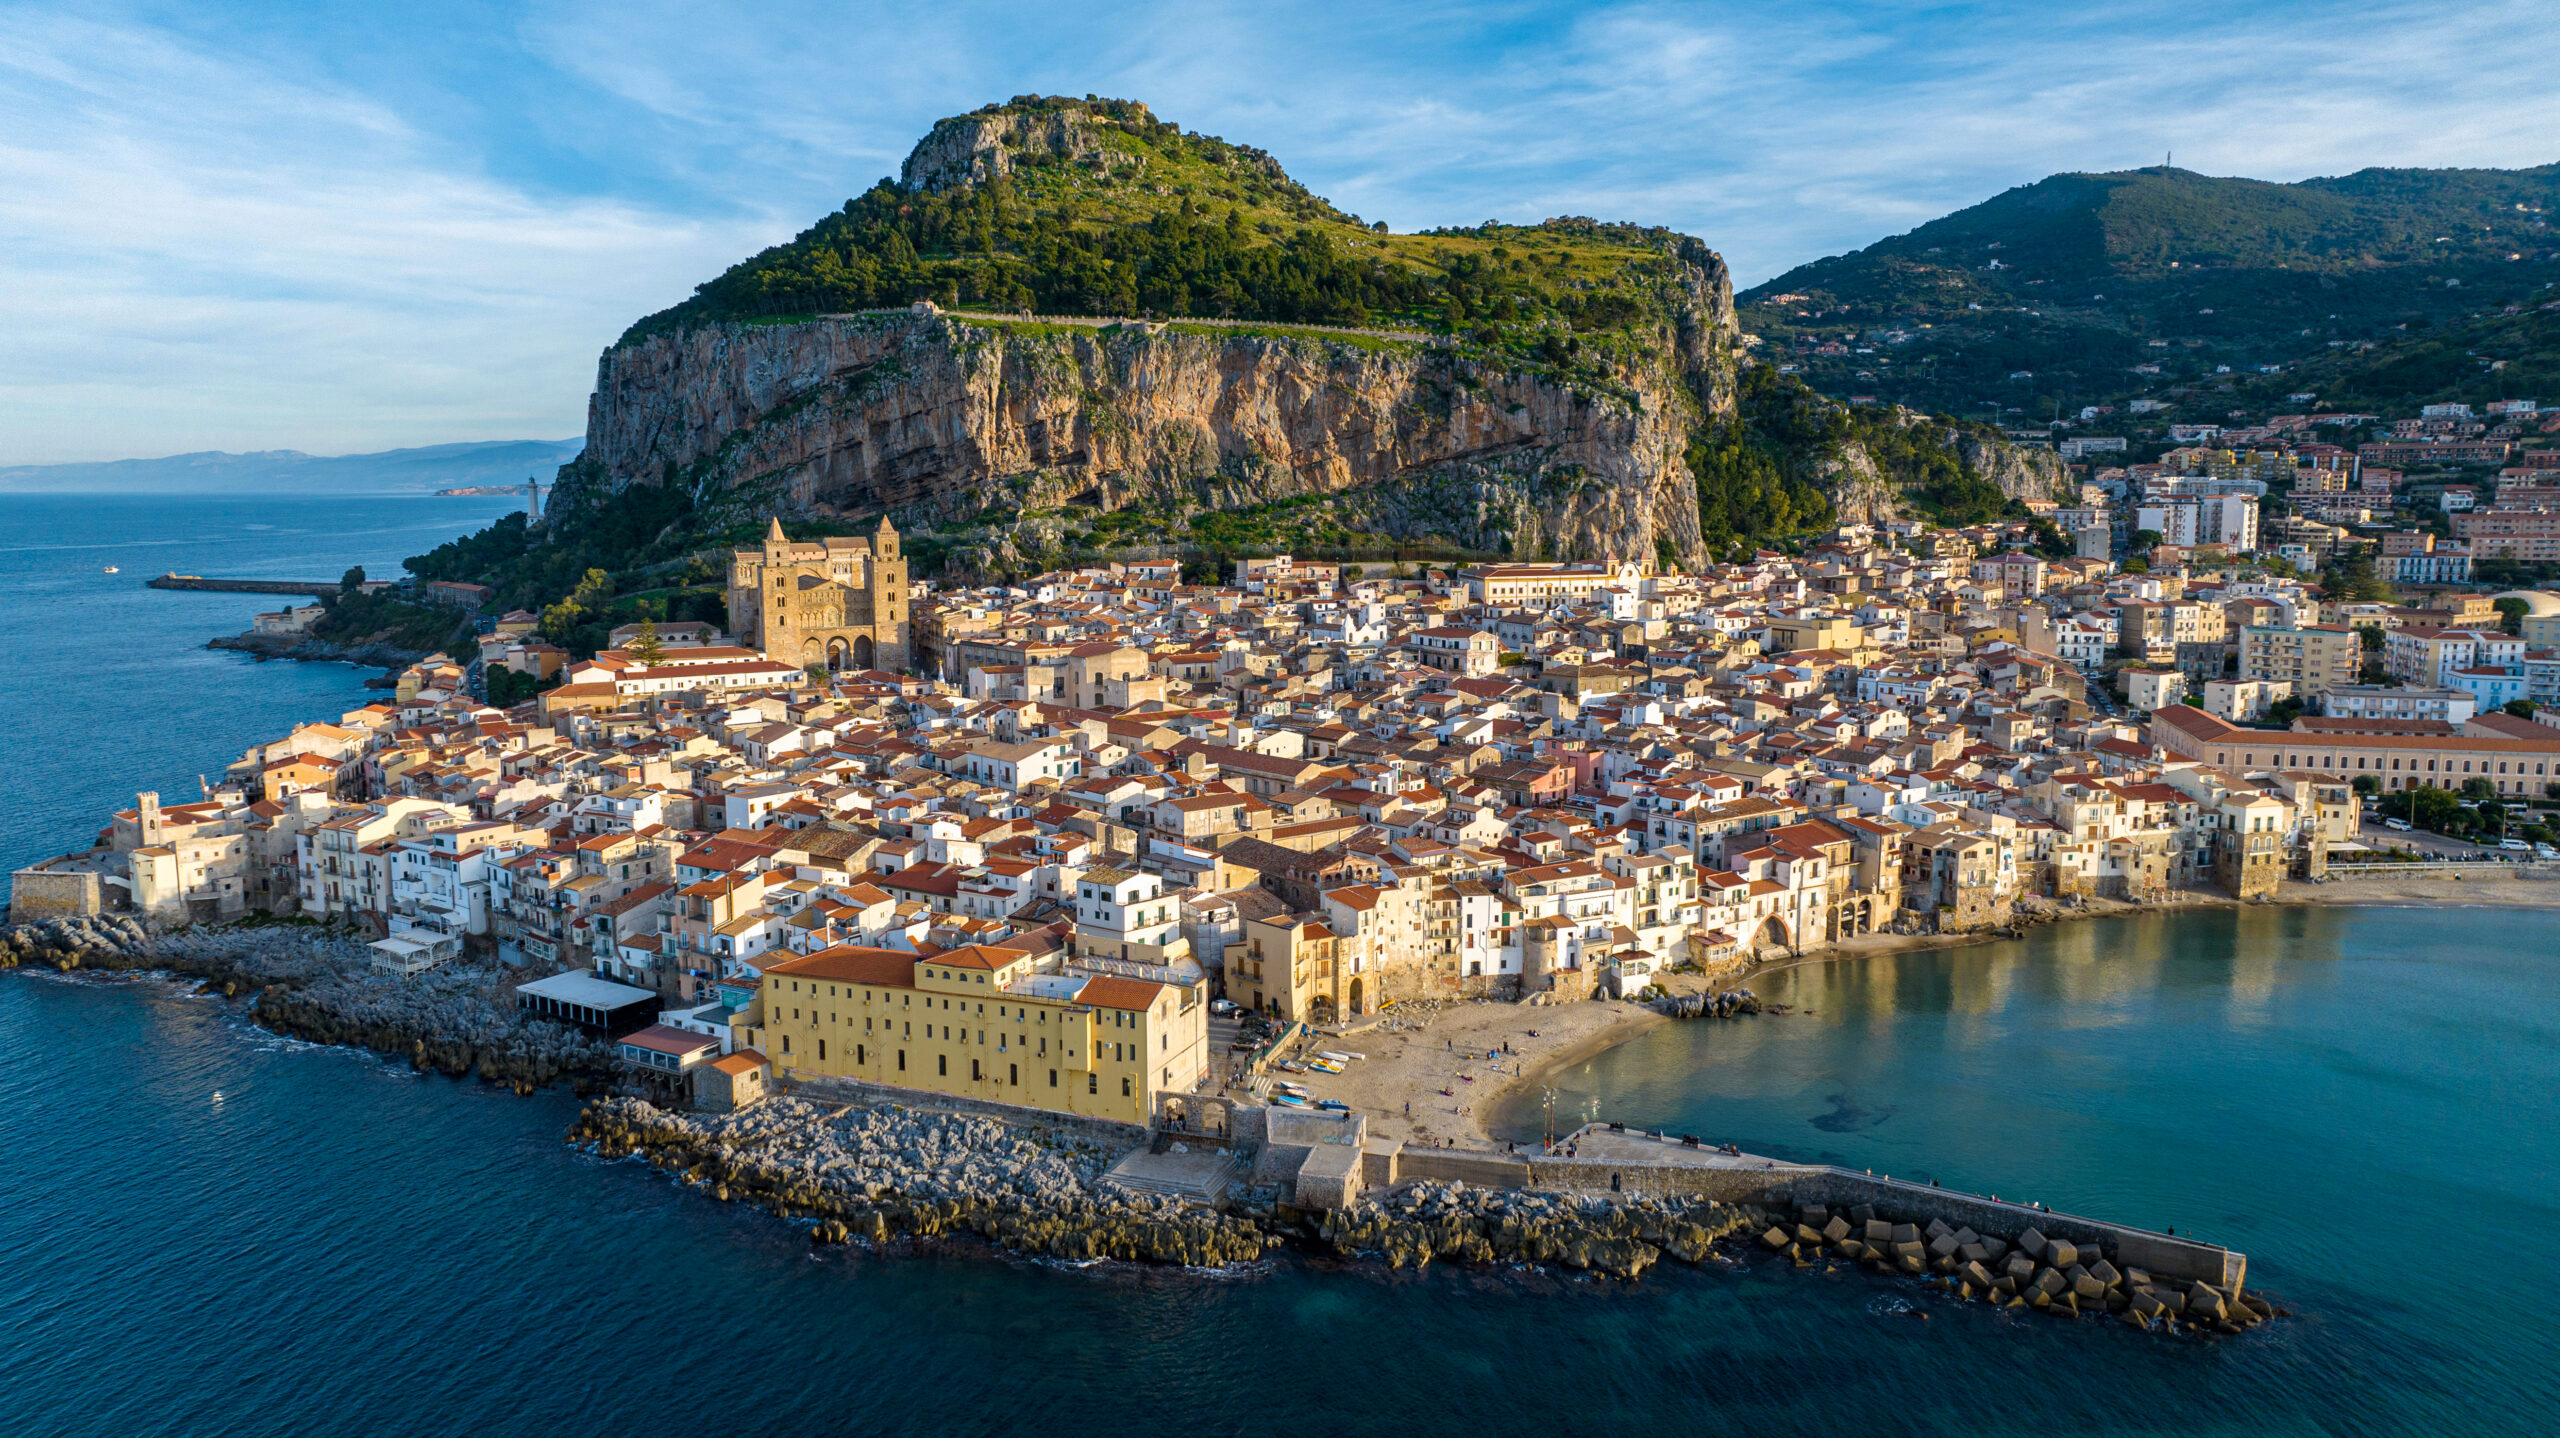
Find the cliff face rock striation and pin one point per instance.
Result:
(1555, 432)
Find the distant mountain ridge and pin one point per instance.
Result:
(396, 471)
(2052, 293)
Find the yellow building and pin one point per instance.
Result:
(1812, 631)
(985, 1023)
(839, 603)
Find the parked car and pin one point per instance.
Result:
(2400, 824)
(1222, 1007)
(2515, 844)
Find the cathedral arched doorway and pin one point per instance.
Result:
(862, 652)
(1355, 998)
(837, 654)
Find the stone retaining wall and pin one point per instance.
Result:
(874, 1095)
(1785, 1185)
(37, 893)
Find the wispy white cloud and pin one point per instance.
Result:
(195, 253)
(206, 246)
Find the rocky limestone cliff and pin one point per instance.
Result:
(2020, 473)
(1860, 493)
(943, 420)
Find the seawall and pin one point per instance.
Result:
(318, 588)
(1637, 1165)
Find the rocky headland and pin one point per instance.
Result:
(371, 655)
(318, 984)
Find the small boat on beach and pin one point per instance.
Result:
(111, 569)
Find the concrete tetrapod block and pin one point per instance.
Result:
(2204, 1301)
(1973, 1252)
(1997, 1247)
(1944, 1245)
(1807, 1234)
(1776, 1237)
(2061, 1253)
(2031, 1243)
(1836, 1230)
(2105, 1273)
(1977, 1275)
(1965, 1236)
(1936, 1226)
(1879, 1231)
(2089, 1289)
(1906, 1233)
(2049, 1281)
(2020, 1267)
(1852, 1249)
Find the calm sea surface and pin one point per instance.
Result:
(106, 687)
(207, 1230)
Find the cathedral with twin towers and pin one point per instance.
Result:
(833, 603)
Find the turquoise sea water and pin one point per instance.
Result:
(207, 1230)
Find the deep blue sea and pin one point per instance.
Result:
(209, 1231)
(107, 687)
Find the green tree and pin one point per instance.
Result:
(2511, 614)
(2367, 785)
(2144, 539)
(644, 646)
(561, 619)
(2432, 808)
(2521, 708)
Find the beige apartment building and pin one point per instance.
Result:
(2312, 659)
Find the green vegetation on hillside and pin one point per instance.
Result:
(2048, 296)
(1157, 220)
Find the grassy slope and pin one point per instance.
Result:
(2094, 267)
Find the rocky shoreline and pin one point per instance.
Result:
(279, 646)
(878, 1174)
(318, 984)
(889, 1175)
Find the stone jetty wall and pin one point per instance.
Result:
(1779, 1186)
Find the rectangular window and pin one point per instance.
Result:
(942, 1065)
(1093, 1083)
(902, 1060)
(1053, 1078)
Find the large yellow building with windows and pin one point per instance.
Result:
(834, 602)
(1040, 1030)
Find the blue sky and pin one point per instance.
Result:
(339, 228)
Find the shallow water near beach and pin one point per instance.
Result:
(211, 1231)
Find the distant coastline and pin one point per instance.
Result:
(477, 491)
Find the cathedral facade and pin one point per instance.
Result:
(833, 603)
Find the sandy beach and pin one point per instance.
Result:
(1430, 1076)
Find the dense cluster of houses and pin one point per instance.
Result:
(1110, 798)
